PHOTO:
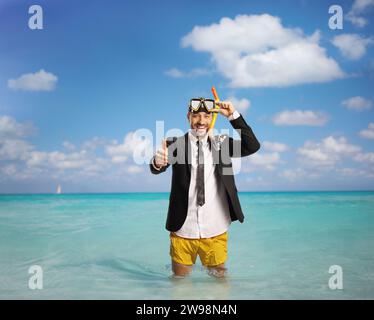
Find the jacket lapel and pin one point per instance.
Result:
(187, 153)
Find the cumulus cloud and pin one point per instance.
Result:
(86, 160)
(327, 152)
(258, 51)
(352, 46)
(9, 169)
(355, 172)
(300, 118)
(293, 175)
(93, 143)
(357, 103)
(59, 160)
(38, 81)
(359, 7)
(96, 157)
(369, 132)
(68, 145)
(14, 149)
(10, 128)
(365, 157)
(261, 161)
(134, 169)
(242, 105)
(274, 146)
(297, 174)
(134, 145)
(176, 73)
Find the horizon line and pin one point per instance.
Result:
(163, 192)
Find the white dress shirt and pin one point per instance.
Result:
(212, 218)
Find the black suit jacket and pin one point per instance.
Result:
(223, 148)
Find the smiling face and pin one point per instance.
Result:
(200, 122)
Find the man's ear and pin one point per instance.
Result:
(188, 116)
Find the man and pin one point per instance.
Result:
(203, 199)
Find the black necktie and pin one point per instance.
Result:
(200, 175)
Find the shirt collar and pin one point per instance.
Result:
(194, 139)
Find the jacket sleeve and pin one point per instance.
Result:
(248, 143)
(153, 168)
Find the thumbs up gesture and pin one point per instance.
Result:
(161, 156)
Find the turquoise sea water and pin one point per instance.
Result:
(115, 246)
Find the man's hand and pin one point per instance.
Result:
(161, 156)
(226, 108)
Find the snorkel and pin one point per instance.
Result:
(216, 98)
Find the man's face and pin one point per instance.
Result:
(200, 122)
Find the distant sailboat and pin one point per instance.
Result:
(58, 191)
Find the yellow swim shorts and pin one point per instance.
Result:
(212, 251)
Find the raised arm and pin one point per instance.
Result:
(248, 143)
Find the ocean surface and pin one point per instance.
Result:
(115, 246)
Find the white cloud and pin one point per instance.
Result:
(38, 81)
(258, 182)
(300, 118)
(347, 171)
(119, 158)
(73, 160)
(359, 7)
(10, 169)
(133, 145)
(258, 51)
(58, 160)
(176, 73)
(10, 128)
(63, 166)
(354, 172)
(261, 161)
(357, 103)
(134, 169)
(274, 146)
(297, 174)
(242, 105)
(327, 152)
(26, 162)
(316, 156)
(69, 146)
(369, 132)
(97, 166)
(352, 46)
(357, 20)
(93, 144)
(365, 157)
(14, 149)
(293, 175)
(339, 145)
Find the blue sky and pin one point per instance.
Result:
(73, 95)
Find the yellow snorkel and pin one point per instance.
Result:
(216, 98)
